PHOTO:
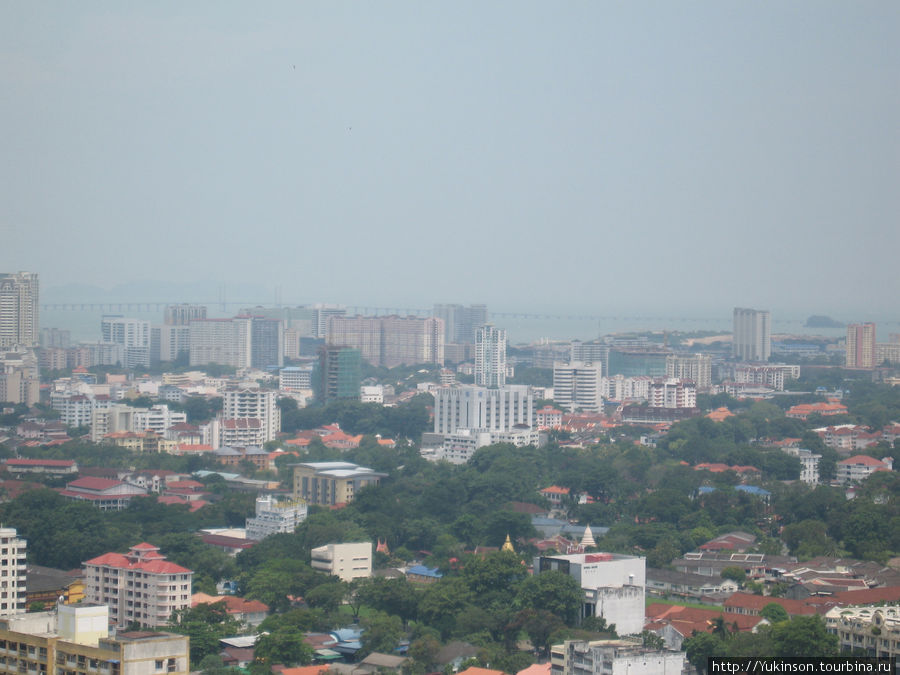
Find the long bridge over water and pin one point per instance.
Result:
(365, 310)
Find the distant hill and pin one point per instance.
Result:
(817, 321)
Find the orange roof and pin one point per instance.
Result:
(305, 670)
(302, 442)
(864, 460)
(720, 414)
(556, 490)
(757, 602)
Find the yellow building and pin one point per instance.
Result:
(74, 640)
(331, 483)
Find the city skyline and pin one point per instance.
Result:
(497, 154)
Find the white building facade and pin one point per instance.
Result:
(274, 516)
(490, 357)
(578, 386)
(140, 586)
(613, 585)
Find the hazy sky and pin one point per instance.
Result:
(679, 155)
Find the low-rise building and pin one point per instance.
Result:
(662, 582)
(874, 630)
(613, 657)
(274, 516)
(345, 561)
(859, 467)
(76, 639)
(104, 493)
(20, 466)
(332, 483)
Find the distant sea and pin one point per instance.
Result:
(84, 325)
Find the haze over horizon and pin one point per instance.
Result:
(661, 157)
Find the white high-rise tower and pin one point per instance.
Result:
(19, 323)
(490, 357)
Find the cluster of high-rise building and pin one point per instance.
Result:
(390, 341)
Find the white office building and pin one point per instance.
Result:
(471, 407)
(578, 386)
(275, 516)
(613, 657)
(345, 561)
(613, 585)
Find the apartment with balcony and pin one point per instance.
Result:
(12, 573)
(140, 586)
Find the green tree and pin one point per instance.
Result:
(286, 646)
(774, 613)
(803, 636)
(701, 647)
(382, 633)
(553, 591)
(205, 625)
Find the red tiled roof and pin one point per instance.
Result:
(243, 423)
(121, 561)
(94, 483)
(757, 602)
(862, 459)
(555, 489)
(39, 462)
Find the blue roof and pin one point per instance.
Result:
(753, 490)
(706, 489)
(423, 571)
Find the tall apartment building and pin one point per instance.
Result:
(20, 377)
(169, 342)
(337, 374)
(861, 345)
(592, 351)
(12, 560)
(76, 640)
(696, 367)
(752, 339)
(490, 357)
(244, 402)
(266, 343)
(460, 322)
(578, 386)
(19, 310)
(493, 410)
(140, 586)
(132, 334)
(672, 393)
(222, 341)
(182, 314)
(390, 341)
(57, 338)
